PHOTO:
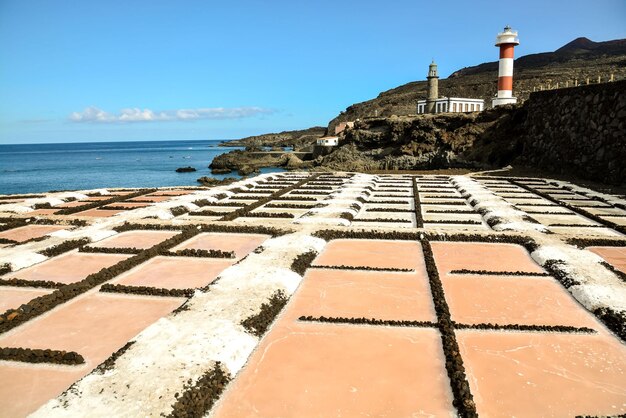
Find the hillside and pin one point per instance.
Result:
(575, 131)
(579, 59)
(299, 138)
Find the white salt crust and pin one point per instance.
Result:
(495, 207)
(339, 202)
(20, 258)
(599, 287)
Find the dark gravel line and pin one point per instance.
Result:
(199, 397)
(463, 399)
(419, 219)
(368, 321)
(498, 273)
(146, 290)
(391, 269)
(28, 355)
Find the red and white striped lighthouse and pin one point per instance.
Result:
(506, 41)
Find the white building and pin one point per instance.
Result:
(328, 141)
(436, 104)
(452, 105)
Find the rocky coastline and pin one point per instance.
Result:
(571, 131)
(544, 132)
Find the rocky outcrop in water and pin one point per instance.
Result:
(247, 162)
(235, 160)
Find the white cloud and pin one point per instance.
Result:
(93, 114)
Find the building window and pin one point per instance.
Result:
(454, 107)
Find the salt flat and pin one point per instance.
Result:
(250, 299)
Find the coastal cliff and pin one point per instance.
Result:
(577, 130)
(426, 142)
(297, 138)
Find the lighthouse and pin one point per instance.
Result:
(433, 87)
(506, 40)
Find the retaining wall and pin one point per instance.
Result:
(579, 131)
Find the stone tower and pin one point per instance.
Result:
(433, 87)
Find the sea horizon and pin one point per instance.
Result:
(116, 141)
(36, 168)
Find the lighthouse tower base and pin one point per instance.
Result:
(499, 101)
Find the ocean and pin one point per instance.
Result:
(32, 168)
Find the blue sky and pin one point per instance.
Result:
(73, 71)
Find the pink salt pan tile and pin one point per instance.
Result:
(95, 325)
(129, 205)
(241, 244)
(544, 374)
(33, 385)
(73, 204)
(513, 300)
(170, 193)
(99, 198)
(321, 370)
(122, 193)
(175, 272)
(615, 256)
(37, 212)
(371, 253)
(24, 233)
(149, 198)
(98, 213)
(12, 297)
(69, 268)
(135, 239)
(482, 256)
(358, 294)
